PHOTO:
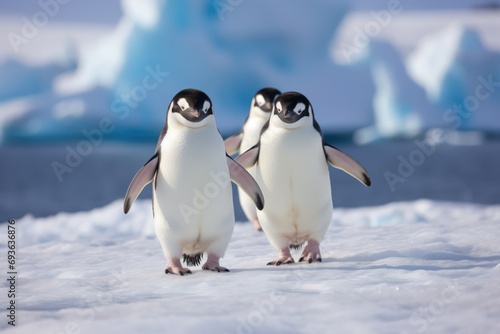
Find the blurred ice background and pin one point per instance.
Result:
(84, 87)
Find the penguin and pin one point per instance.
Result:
(291, 167)
(192, 195)
(260, 111)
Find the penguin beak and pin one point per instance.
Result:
(195, 113)
(288, 114)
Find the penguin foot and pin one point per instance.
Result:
(256, 225)
(213, 264)
(284, 258)
(281, 260)
(311, 253)
(177, 270)
(218, 269)
(175, 267)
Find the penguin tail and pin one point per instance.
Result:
(296, 246)
(192, 260)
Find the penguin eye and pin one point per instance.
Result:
(206, 106)
(278, 107)
(299, 108)
(183, 104)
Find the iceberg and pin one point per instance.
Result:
(19, 79)
(460, 76)
(400, 106)
(231, 49)
(228, 52)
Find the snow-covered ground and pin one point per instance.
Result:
(409, 267)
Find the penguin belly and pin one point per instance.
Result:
(193, 210)
(293, 174)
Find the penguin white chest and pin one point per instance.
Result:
(193, 195)
(293, 174)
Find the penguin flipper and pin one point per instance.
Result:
(233, 143)
(144, 176)
(342, 161)
(245, 181)
(249, 158)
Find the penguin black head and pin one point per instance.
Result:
(293, 108)
(193, 105)
(264, 99)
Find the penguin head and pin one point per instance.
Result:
(192, 108)
(262, 102)
(292, 110)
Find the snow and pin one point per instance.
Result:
(404, 267)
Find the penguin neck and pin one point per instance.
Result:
(257, 114)
(300, 125)
(256, 120)
(177, 123)
(180, 137)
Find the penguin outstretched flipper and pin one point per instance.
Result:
(342, 161)
(249, 157)
(233, 143)
(246, 182)
(144, 176)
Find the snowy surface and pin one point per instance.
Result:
(407, 267)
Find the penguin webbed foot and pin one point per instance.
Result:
(177, 271)
(218, 269)
(311, 253)
(284, 258)
(175, 267)
(310, 259)
(212, 264)
(280, 261)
